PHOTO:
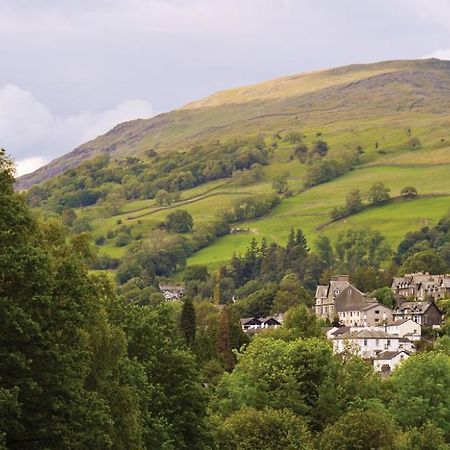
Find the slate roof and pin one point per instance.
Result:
(415, 307)
(373, 304)
(388, 355)
(352, 299)
(341, 330)
(366, 334)
(397, 322)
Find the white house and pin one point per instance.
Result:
(404, 328)
(172, 292)
(254, 324)
(387, 361)
(365, 343)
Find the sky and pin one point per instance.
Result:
(72, 69)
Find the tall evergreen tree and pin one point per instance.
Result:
(188, 322)
(224, 340)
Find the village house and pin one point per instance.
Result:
(343, 300)
(387, 361)
(404, 328)
(421, 287)
(255, 324)
(172, 291)
(325, 296)
(426, 314)
(367, 343)
(370, 314)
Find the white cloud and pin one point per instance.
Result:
(29, 165)
(32, 133)
(441, 53)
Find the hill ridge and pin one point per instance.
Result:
(208, 117)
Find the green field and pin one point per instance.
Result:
(376, 108)
(312, 208)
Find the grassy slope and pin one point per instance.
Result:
(350, 106)
(312, 208)
(315, 99)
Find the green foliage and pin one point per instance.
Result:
(188, 323)
(293, 137)
(417, 396)
(290, 293)
(251, 207)
(409, 192)
(274, 429)
(179, 221)
(424, 261)
(162, 176)
(325, 169)
(385, 296)
(278, 374)
(301, 322)
(378, 193)
(195, 273)
(360, 248)
(280, 183)
(427, 437)
(361, 429)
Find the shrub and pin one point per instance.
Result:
(100, 240)
(409, 192)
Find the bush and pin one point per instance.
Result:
(269, 428)
(409, 192)
(180, 221)
(414, 143)
(122, 240)
(100, 240)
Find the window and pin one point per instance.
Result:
(388, 343)
(377, 342)
(365, 342)
(377, 311)
(377, 320)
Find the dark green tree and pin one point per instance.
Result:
(271, 429)
(361, 429)
(408, 192)
(179, 221)
(188, 322)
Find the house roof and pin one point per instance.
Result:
(341, 330)
(171, 287)
(388, 355)
(268, 319)
(396, 323)
(416, 307)
(321, 291)
(373, 304)
(350, 299)
(366, 334)
(246, 320)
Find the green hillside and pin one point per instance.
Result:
(374, 111)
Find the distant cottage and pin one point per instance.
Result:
(255, 324)
(421, 287)
(342, 300)
(171, 291)
(426, 314)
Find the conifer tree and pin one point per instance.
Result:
(188, 321)
(224, 340)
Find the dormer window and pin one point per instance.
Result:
(336, 291)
